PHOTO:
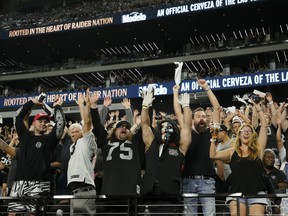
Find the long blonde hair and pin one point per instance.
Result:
(253, 145)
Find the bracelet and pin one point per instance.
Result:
(212, 140)
(259, 110)
(207, 89)
(144, 107)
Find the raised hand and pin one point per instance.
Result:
(176, 88)
(111, 114)
(94, 98)
(126, 103)
(107, 101)
(148, 97)
(269, 97)
(184, 100)
(203, 84)
(87, 97)
(80, 99)
(57, 101)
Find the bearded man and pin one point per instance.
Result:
(199, 172)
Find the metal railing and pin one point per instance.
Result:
(171, 205)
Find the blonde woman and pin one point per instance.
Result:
(246, 165)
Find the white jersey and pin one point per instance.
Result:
(80, 167)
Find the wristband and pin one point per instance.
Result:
(212, 140)
(259, 110)
(144, 107)
(271, 102)
(207, 89)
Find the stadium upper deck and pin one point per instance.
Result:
(237, 36)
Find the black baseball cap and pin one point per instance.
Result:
(123, 123)
(223, 128)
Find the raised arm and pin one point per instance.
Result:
(227, 121)
(84, 107)
(284, 117)
(255, 118)
(185, 130)
(247, 112)
(23, 112)
(280, 143)
(8, 149)
(59, 118)
(105, 109)
(128, 111)
(177, 106)
(212, 98)
(262, 136)
(98, 128)
(147, 133)
(136, 124)
(15, 140)
(243, 117)
(272, 108)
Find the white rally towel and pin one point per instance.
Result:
(178, 71)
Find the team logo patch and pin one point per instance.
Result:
(38, 145)
(173, 152)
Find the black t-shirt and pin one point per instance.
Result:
(277, 176)
(34, 157)
(197, 158)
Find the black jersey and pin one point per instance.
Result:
(271, 136)
(121, 163)
(121, 168)
(5, 160)
(163, 173)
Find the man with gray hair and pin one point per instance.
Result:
(80, 171)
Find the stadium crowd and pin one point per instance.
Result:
(76, 11)
(147, 152)
(133, 144)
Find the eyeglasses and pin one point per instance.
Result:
(269, 157)
(246, 131)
